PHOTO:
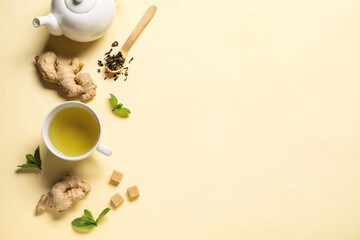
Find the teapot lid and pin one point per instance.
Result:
(80, 6)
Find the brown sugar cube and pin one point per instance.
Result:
(133, 192)
(116, 177)
(117, 199)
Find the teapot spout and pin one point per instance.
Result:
(50, 22)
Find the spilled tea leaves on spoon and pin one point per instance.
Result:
(32, 161)
(118, 108)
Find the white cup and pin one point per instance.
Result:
(50, 146)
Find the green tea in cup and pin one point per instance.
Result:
(73, 131)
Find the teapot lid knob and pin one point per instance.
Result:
(80, 6)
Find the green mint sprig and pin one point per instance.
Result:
(87, 221)
(118, 107)
(32, 161)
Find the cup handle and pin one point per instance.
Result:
(104, 150)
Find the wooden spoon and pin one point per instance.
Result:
(133, 36)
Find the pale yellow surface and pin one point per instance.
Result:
(245, 122)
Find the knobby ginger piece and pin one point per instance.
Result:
(63, 194)
(66, 76)
(116, 177)
(133, 192)
(117, 199)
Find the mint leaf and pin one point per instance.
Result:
(37, 156)
(114, 101)
(102, 214)
(32, 161)
(27, 165)
(80, 223)
(126, 110)
(118, 107)
(37, 153)
(87, 220)
(88, 216)
(121, 113)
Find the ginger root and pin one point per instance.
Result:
(66, 76)
(63, 194)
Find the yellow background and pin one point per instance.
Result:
(245, 122)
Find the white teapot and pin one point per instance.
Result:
(79, 20)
